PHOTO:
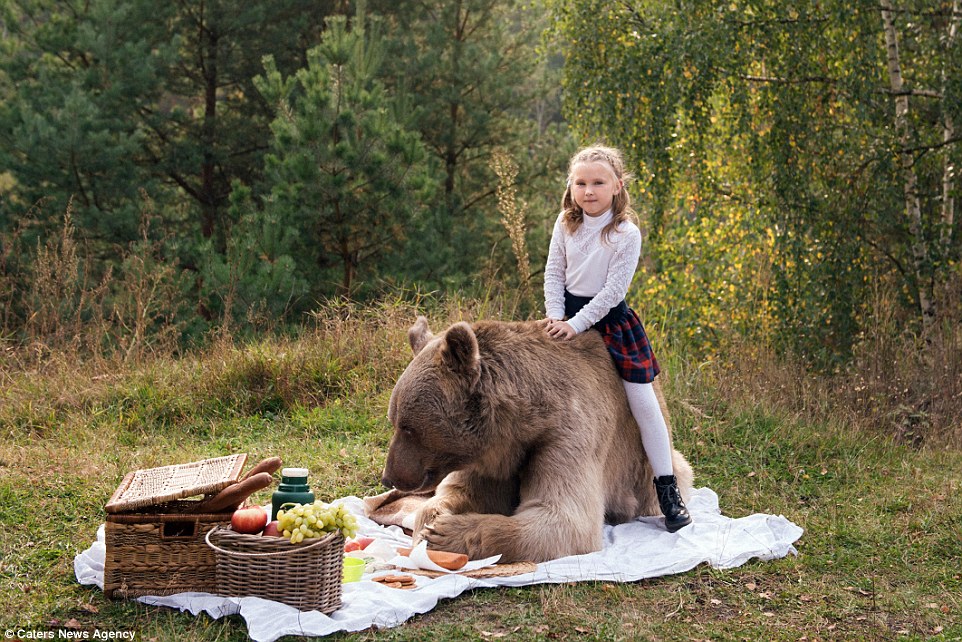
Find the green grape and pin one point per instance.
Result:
(306, 521)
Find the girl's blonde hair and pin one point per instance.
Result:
(620, 205)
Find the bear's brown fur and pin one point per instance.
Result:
(528, 442)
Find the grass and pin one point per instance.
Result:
(881, 557)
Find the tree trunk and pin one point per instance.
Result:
(913, 208)
(948, 133)
(454, 111)
(209, 134)
(349, 269)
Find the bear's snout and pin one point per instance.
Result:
(416, 481)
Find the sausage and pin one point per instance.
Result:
(234, 495)
(444, 559)
(269, 465)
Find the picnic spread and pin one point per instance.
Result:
(349, 565)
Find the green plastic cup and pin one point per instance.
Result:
(353, 569)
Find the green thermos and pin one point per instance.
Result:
(292, 489)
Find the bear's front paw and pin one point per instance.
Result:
(426, 515)
(453, 533)
(477, 536)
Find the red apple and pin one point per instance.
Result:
(358, 544)
(364, 541)
(272, 530)
(249, 519)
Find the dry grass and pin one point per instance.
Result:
(897, 386)
(513, 217)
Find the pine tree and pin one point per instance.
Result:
(107, 98)
(471, 66)
(70, 128)
(212, 127)
(343, 171)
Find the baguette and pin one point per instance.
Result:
(235, 494)
(444, 559)
(269, 465)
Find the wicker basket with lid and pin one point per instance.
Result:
(154, 539)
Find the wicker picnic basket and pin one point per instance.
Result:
(307, 576)
(154, 537)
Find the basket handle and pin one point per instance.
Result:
(217, 548)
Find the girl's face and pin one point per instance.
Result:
(593, 187)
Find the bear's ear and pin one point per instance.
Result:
(459, 352)
(419, 334)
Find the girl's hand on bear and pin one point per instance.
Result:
(560, 330)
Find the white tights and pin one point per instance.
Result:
(651, 423)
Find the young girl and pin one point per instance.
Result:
(592, 258)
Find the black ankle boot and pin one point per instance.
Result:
(676, 515)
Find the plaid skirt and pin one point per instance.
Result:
(625, 337)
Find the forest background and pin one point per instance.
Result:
(171, 172)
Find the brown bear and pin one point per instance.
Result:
(527, 441)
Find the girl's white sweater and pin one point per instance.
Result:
(586, 265)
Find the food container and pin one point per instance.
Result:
(154, 539)
(306, 576)
(293, 489)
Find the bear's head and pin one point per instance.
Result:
(434, 409)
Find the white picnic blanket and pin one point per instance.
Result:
(633, 551)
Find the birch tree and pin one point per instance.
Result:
(829, 127)
(929, 250)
